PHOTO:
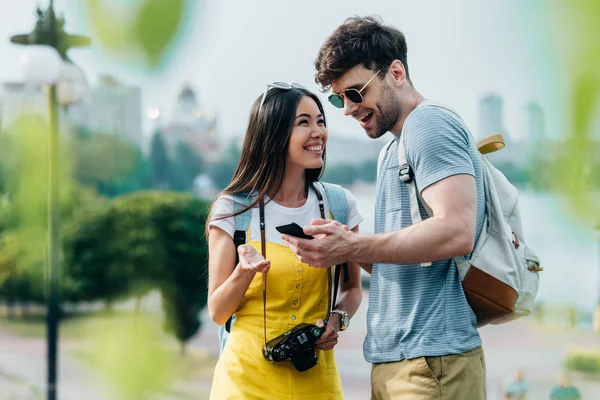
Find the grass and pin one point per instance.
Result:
(72, 326)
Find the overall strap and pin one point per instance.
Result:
(330, 303)
(336, 192)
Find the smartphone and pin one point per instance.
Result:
(293, 229)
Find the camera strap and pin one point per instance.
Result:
(263, 248)
(263, 242)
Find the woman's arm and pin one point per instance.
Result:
(226, 285)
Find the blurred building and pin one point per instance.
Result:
(491, 122)
(111, 107)
(533, 132)
(108, 107)
(17, 98)
(534, 123)
(193, 126)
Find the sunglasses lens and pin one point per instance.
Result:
(336, 100)
(354, 96)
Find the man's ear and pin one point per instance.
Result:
(398, 73)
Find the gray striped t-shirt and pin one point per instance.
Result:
(419, 311)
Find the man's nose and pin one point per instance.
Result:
(349, 107)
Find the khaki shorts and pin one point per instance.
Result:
(456, 376)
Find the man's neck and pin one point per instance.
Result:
(411, 101)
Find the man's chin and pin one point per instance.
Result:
(374, 133)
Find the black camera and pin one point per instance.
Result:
(297, 344)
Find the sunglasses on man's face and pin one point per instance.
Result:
(354, 95)
(278, 85)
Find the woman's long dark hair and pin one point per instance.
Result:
(263, 161)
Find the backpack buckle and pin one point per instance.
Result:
(406, 173)
(239, 238)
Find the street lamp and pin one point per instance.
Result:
(597, 313)
(44, 64)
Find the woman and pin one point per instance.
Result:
(282, 159)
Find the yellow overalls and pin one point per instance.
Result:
(296, 293)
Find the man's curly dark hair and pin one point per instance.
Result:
(359, 40)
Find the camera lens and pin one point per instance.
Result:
(304, 360)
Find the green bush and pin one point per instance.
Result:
(581, 361)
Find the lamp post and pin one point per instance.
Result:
(597, 313)
(45, 63)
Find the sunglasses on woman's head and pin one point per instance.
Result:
(354, 95)
(278, 85)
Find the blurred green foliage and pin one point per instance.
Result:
(583, 361)
(143, 241)
(118, 242)
(571, 32)
(129, 352)
(143, 31)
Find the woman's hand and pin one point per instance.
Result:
(329, 338)
(251, 260)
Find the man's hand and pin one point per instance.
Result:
(329, 338)
(331, 245)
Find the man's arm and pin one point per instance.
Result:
(450, 232)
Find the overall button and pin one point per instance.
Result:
(299, 270)
(298, 286)
(293, 317)
(295, 302)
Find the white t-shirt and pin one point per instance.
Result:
(277, 215)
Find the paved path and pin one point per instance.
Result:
(539, 350)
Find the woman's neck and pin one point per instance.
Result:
(292, 192)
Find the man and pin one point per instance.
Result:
(565, 390)
(421, 333)
(515, 388)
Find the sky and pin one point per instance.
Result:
(229, 50)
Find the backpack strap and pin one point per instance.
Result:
(338, 203)
(382, 153)
(407, 175)
(242, 222)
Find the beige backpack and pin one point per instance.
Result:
(500, 279)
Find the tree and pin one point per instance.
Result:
(116, 251)
(144, 240)
(109, 164)
(222, 172)
(185, 290)
(185, 166)
(159, 162)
